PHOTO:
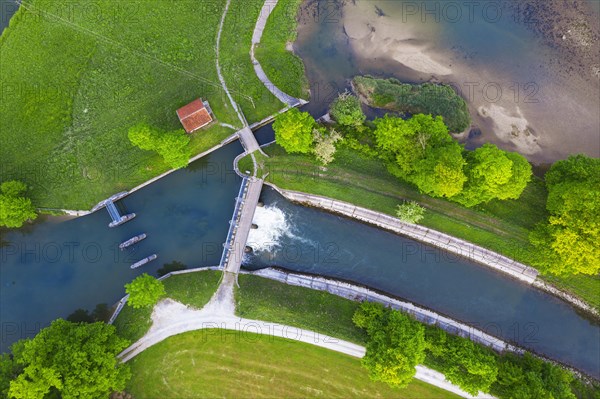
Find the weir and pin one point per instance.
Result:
(240, 224)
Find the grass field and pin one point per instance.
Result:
(282, 66)
(74, 79)
(249, 92)
(193, 289)
(218, 363)
(263, 299)
(502, 226)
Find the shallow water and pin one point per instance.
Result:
(503, 70)
(308, 240)
(52, 268)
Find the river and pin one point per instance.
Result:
(59, 264)
(523, 93)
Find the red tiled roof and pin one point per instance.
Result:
(194, 115)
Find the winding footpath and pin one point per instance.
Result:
(171, 318)
(261, 23)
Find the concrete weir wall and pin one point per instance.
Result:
(357, 293)
(420, 233)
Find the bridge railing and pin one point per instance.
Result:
(233, 223)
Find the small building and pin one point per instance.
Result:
(195, 115)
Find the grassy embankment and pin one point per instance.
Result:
(264, 299)
(249, 92)
(71, 88)
(282, 66)
(220, 363)
(501, 226)
(193, 289)
(425, 98)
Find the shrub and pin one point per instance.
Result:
(346, 110)
(410, 212)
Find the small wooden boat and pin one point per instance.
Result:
(132, 241)
(144, 261)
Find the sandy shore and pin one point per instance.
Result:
(546, 108)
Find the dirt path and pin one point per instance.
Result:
(171, 318)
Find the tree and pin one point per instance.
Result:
(494, 174)
(420, 150)
(395, 345)
(569, 240)
(470, 366)
(410, 212)
(71, 361)
(325, 144)
(15, 209)
(346, 110)
(528, 377)
(144, 291)
(143, 136)
(172, 146)
(293, 131)
(440, 173)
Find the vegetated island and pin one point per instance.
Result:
(426, 98)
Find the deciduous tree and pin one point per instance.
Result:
(144, 291)
(569, 240)
(293, 131)
(325, 144)
(71, 361)
(395, 346)
(172, 146)
(15, 208)
(493, 173)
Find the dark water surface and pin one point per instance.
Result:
(7, 10)
(52, 268)
(308, 240)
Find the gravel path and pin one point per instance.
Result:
(170, 318)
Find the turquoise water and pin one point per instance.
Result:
(308, 240)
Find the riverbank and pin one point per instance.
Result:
(521, 93)
(500, 226)
(77, 147)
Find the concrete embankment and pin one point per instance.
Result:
(358, 293)
(420, 233)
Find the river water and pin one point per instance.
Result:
(55, 266)
(308, 240)
(59, 264)
(523, 93)
(7, 10)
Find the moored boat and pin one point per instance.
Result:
(132, 241)
(144, 261)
